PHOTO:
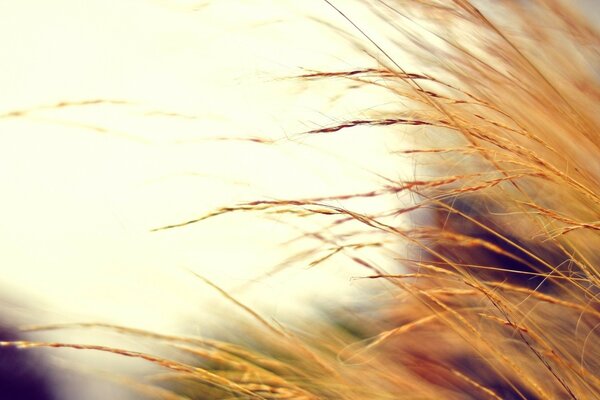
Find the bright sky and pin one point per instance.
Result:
(83, 185)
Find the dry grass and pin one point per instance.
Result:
(500, 297)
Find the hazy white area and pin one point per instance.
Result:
(82, 186)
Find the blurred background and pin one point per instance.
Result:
(120, 117)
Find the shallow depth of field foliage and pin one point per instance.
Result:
(495, 293)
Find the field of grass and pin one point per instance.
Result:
(479, 275)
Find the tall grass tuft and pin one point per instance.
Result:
(496, 294)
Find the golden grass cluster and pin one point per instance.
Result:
(498, 298)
